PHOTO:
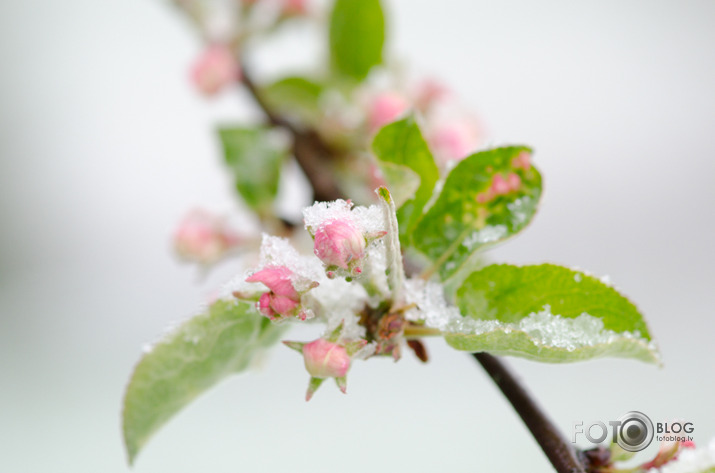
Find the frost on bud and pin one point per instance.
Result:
(341, 235)
(204, 238)
(328, 357)
(283, 299)
(340, 243)
(215, 68)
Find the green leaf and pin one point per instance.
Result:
(255, 155)
(294, 96)
(199, 353)
(464, 219)
(357, 35)
(548, 313)
(400, 146)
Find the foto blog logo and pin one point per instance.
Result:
(633, 431)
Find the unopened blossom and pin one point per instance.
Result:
(324, 359)
(385, 108)
(454, 140)
(204, 238)
(283, 299)
(340, 243)
(215, 68)
(328, 357)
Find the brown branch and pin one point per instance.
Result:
(316, 159)
(311, 153)
(560, 453)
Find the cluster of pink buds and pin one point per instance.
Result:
(204, 238)
(283, 299)
(451, 133)
(216, 68)
(327, 358)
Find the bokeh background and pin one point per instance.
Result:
(104, 145)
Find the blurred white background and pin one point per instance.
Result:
(104, 145)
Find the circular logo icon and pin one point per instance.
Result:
(635, 432)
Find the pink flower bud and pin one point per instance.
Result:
(203, 238)
(522, 160)
(324, 359)
(338, 243)
(454, 140)
(282, 300)
(278, 280)
(385, 108)
(216, 68)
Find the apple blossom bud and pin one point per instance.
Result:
(324, 359)
(338, 243)
(454, 141)
(384, 109)
(282, 300)
(204, 238)
(216, 68)
(277, 279)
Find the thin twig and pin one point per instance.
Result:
(311, 153)
(560, 453)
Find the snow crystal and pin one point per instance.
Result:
(430, 305)
(692, 461)
(487, 234)
(543, 328)
(337, 301)
(547, 329)
(367, 219)
(577, 277)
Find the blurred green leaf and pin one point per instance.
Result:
(195, 356)
(357, 35)
(466, 218)
(294, 97)
(548, 313)
(400, 148)
(255, 155)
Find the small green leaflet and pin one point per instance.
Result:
(294, 97)
(548, 313)
(255, 155)
(406, 163)
(195, 356)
